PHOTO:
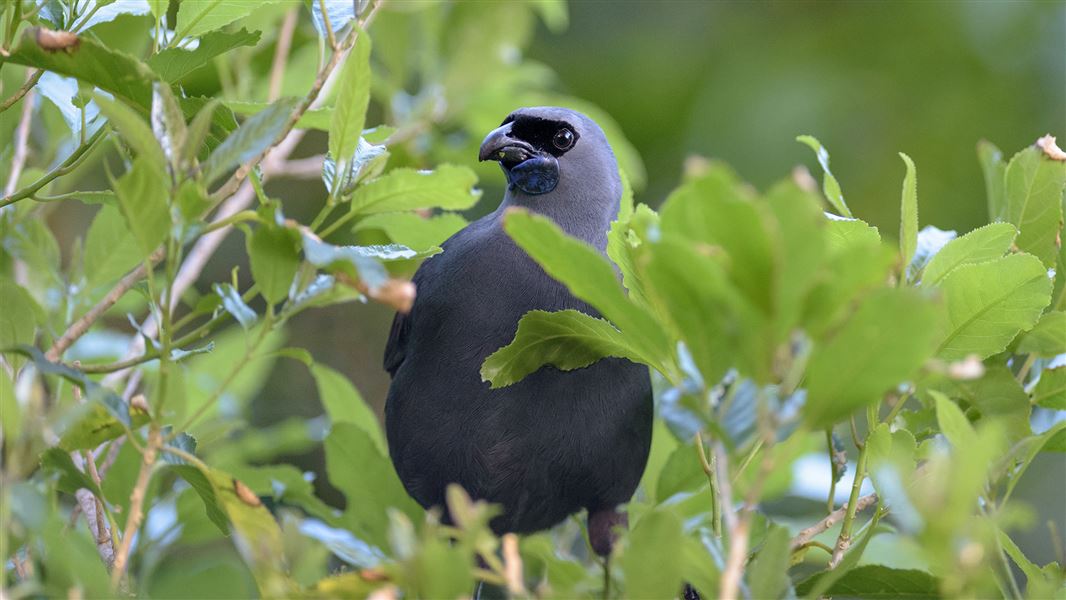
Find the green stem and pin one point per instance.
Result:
(68, 165)
(830, 502)
(710, 470)
(849, 517)
(1026, 367)
(336, 224)
(22, 91)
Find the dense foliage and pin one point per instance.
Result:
(777, 332)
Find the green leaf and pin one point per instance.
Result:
(18, 318)
(222, 124)
(142, 196)
(589, 276)
(315, 118)
(704, 309)
(1033, 446)
(174, 63)
(413, 230)
(448, 187)
(998, 395)
(250, 139)
(953, 423)
(198, 131)
(987, 304)
(877, 582)
(830, 187)
(768, 574)
(91, 62)
(111, 250)
(255, 532)
(10, 411)
(566, 339)
(980, 245)
(908, 224)
(994, 170)
(197, 17)
(1033, 187)
(344, 404)
(235, 305)
(682, 472)
(274, 258)
(887, 339)
(93, 425)
(1047, 338)
(133, 128)
(353, 97)
(158, 7)
(367, 163)
(70, 477)
(1050, 391)
(651, 562)
(816, 585)
(371, 489)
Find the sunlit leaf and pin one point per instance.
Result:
(908, 225)
(830, 187)
(344, 403)
(1033, 189)
(448, 187)
(175, 62)
(197, 17)
(981, 244)
(253, 137)
(349, 114)
(273, 254)
(142, 196)
(1048, 337)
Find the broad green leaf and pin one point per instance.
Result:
(69, 477)
(93, 63)
(10, 411)
(344, 404)
(987, 304)
(71, 562)
(651, 562)
(371, 489)
(705, 310)
(174, 63)
(857, 263)
(18, 318)
(158, 7)
(878, 582)
(254, 531)
(768, 573)
(1050, 391)
(235, 305)
(142, 196)
(682, 472)
(353, 97)
(953, 423)
(315, 118)
(250, 139)
(1032, 447)
(362, 262)
(980, 245)
(1033, 190)
(881, 345)
(908, 224)
(274, 258)
(842, 234)
(448, 187)
(222, 123)
(998, 395)
(93, 425)
(198, 130)
(367, 163)
(197, 17)
(994, 169)
(589, 276)
(413, 230)
(1047, 338)
(566, 339)
(800, 250)
(830, 186)
(134, 129)
(111, 249)
(283, 483)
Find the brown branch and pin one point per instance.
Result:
(22, 138)
(82, 325)
(281, 53)
(833, 518)
(22, 91)
(136, 512)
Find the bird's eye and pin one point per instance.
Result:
(564, 139)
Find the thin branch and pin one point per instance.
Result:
(301, 168)
(22, 139)
(68, 165)
(22, 91)
(136, 512)
(82, 325)
(281, 53)
(804, 537)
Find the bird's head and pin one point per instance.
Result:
(545, 147)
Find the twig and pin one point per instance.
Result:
(79, 327)
(329, 26)
(804, 537)
(281, 53)
(68, 165)
(844, 539)
(512, 566)
(710, 470)
(301, 168)
(22, 91)
(136, 512)
(22, 138)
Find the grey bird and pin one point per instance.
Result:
(555, 442)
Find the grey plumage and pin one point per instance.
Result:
(556, 442)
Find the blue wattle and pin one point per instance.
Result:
(538, 175)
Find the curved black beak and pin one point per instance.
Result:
(502, 148)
